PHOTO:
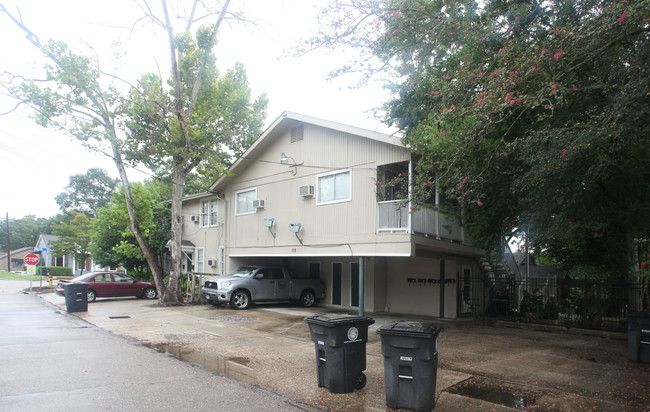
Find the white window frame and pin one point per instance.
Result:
(252, 209)
(199, 260)
(348, 198)
(210, 216)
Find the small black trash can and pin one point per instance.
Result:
(76, 297)
(340, 343)
(410, 351)
(638, 337)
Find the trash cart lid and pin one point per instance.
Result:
(338, 319)
(410, 328)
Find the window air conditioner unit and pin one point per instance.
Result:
(212, 262)
(258, 204)
(195, 219)
(307, 191)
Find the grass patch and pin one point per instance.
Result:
(14, 276)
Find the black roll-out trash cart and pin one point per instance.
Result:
(340, 343)
(638, 337)
(410, 351)
(76, 297)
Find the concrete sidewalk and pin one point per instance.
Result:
(481, 367)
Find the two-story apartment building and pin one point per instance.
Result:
(307, 194)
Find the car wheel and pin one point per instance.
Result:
(150, 293)
(307, 299)
(91, 295)
(240, 300)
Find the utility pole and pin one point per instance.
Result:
(8, 246)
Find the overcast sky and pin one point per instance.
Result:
(36, 163)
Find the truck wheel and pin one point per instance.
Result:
(240, 300)
(307, 299)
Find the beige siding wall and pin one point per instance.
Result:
(402, 291)
(350, 223)
(210, 238)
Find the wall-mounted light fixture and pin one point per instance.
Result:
(269, 222)
(296, 227)
(284, 159)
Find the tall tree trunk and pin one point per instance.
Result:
(133, 219)
(174, 286)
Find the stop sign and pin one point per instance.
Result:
(31, 259)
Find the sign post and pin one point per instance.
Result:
(31, 260)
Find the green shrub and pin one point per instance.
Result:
(57, 271)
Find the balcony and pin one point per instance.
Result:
(393, 216)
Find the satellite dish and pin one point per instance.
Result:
(295, 227)
(268, 222)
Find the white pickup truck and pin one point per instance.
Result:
(248, 284)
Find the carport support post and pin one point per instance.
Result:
(442, 288)
(362, 283)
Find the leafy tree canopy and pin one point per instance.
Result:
(74, 237)
(526, 115)
(86, 193)
(113, 243)
(24, 232)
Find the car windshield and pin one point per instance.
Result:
(243, 271)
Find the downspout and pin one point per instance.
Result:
(362, 284)
(443, 286)
(410, 194)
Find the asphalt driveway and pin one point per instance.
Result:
(482, 366)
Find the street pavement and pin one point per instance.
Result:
(268, 350)
(52, 361)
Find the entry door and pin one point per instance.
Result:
(337, 269)
(354, 284)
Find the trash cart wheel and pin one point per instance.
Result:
(360, 381)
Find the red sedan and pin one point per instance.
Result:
(111, 284)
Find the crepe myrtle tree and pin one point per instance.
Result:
(525, 115)
(180, 123)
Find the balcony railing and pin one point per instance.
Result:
(393, 216)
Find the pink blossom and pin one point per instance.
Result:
(618, 135)
(533, 69)
(500, 50)
(596, 235)
(453, 107)
(412, 207)
(412, 84)
(513, 101)
(543, 51)
(479, 203)
(564, 152)
(575, 88)
(481, 74)
(505, 154)
(557, 55)
(465, 180)
(644, 264)
(623, 17)
(466, 56)
(471, 75)
(460, 187)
